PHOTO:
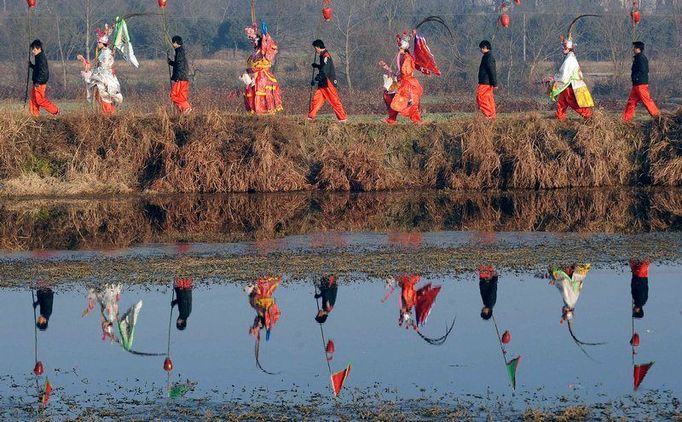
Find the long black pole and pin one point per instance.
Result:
(28, 67)
(312, 83)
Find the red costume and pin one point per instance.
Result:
(405, 101)
(262, 94)
(260, 298)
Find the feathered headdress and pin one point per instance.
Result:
(103, 34)
(403, 40)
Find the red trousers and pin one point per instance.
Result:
(486, 100)
(566, 100)
(108, 109)
(412, 112)
(640, 93)
(180, 95)
(330, 95)
(38, 100)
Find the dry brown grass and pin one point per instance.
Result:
(83, 153)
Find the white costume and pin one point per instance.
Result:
(569, 75)
(102, 81)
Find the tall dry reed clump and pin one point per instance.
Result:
(220, 152)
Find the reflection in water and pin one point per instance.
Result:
(350, 329)
(421, 301)
(639, 289)
(328, 289)
(108, 297)
(569, 280)
(487, 286)
(44, 298)
(116, 223)
(267, 312)
(183, 299)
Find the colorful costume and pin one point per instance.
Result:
(326, 88)
(108, 297)
(260, 299)
(180, 81)
(569, 88)
(421, 300)
(640, 87)
(38, 99)
(569, 281)
(262, 94)
(101, 82)
(487, 81)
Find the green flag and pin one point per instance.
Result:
(126, 326)
(511, 370)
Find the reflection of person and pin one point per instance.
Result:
(108, 297)
(487, 284)
(569, 281)
(183, 299)
(44, 299)
(260, 299)
(328, 289)
(639, 286)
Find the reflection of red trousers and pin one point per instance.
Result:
(566, 100)
(330, 95)
(180, 95)
(108, 109)
(637, 94)
(486, 100)
(412, 112)
(38, 99)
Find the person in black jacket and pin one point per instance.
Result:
(487, 81)
(44, 299)
(487, 284)
(639, 286)
(326, 85)
(328, 289)
(640, 85)
(183, 300)
(180, 78)
(41, 74)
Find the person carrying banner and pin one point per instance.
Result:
(180, 77)
(326, 85)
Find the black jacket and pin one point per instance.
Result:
(328, 290)
(640, 70)
(326, 72)
(487, 71)
(184, 302)
(44, 298)
(41, 73)
(180, 66)
(488, 290)
(639, 287)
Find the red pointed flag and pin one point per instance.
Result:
(45, 395)
(511, 370)
(338, 378)
(640, 372)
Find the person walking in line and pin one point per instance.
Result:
(180, 77)
(568, 88)
(640, 85)
(326, 85)
(487, 81)
(41, 74)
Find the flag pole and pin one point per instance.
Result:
(499, 340)
(317, 302)
(28, 67)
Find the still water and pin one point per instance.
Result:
(214, 357)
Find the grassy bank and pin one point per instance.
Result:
(83, 153)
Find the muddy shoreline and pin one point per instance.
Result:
(349, 263)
